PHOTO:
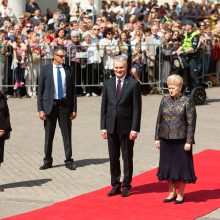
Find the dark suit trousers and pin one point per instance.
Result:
(117, 142)
(60, 112)
(2, 144)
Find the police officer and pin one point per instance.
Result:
(189, 49)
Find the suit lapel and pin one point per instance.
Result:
(50, 71)
(67, 75)
(113, 87)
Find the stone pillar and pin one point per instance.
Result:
(98, 4)
(18, 6)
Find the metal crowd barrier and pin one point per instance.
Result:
(93, 73)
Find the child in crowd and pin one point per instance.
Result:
(19, 61)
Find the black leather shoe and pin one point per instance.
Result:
(169, 200)
(45, 166)
(125, 192)
(179, 201)
(114, 192)
(1, 189)
(71, 166)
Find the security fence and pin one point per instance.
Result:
(92, 65)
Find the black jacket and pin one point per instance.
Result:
(46, 87)
(4, 116)
(123, 112)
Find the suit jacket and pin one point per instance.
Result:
(4, 116)
(46, 90)
(176, 119)
(124, 112)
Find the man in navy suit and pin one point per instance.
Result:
(57, 101)
(120, 123)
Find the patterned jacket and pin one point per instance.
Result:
(176, 119)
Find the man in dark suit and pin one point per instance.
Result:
(57, 100)
(120, 123)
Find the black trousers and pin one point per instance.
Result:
(2, 144)
(59, 112)
(194, 72)
(117, 142)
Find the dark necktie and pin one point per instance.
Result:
(59, 84)
(118, 88)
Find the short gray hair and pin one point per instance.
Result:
(175, 79)
(59, 48)
(120, 58)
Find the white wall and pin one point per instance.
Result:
(18, 6)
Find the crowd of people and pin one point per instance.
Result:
(134, 29)
(89, 45)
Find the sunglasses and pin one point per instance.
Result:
(28, 26)
(21, 18)
(96, 29)
(60, 55)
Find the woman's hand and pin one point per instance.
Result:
(2, 132)
(187, 147)
(157, 144)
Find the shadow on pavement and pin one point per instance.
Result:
(87, 162)
(203, 195)
(157, 187)
(208, 101)
(28, 183)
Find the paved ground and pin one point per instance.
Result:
(27, 188)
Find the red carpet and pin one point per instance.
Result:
(146, 199)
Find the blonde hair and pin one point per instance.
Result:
(175, 79)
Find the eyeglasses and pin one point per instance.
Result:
(60, 55)
(96, 29)
(28, 26)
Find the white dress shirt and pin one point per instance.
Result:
(63, 75)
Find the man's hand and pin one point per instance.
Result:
(187, 147)
(133, 135)
(2, 132)
(73, 115)
(157, 144)
(104, 134)
(42, 116)
(152, 58)
(178, 52)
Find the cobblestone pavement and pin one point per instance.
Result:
(27, 188)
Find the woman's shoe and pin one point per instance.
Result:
(170, 200)
(17, 84)
(179, 201)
